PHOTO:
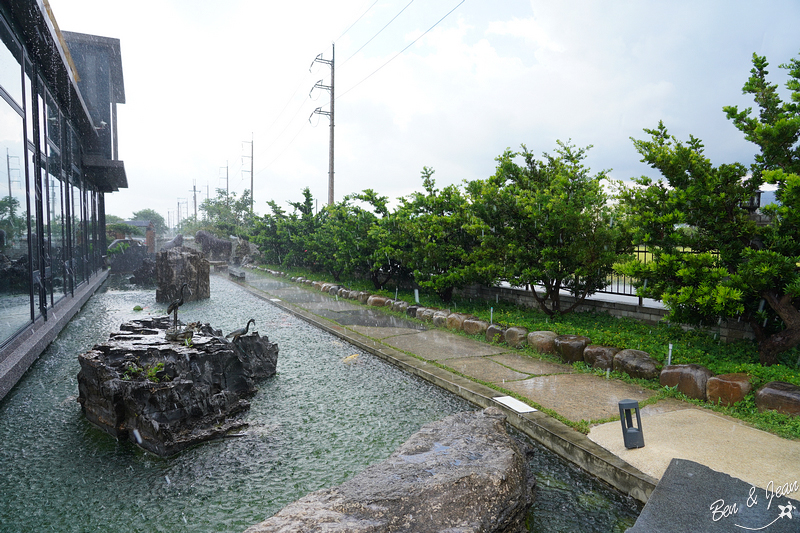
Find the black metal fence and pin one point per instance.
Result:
(623, 285)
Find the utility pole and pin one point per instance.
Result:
(227, 188)
(319, 111)
(194, 194)
(251, 170)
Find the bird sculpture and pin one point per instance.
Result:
(173, 307)
(235, 334)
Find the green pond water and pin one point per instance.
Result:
(315, 424)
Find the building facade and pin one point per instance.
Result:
(58, 134)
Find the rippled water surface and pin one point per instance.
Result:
(315, 424)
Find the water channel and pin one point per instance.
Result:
(318, 422)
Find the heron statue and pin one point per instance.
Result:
(235, 334)
(173, 307)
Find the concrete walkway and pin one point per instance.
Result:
(485, 374)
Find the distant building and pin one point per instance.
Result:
(58, 133)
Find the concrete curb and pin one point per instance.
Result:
(549, 432)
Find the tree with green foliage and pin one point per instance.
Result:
(228, 215)
(547, 225)
(159, 225)
(427, 234)
(729, 267)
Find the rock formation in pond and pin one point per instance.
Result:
(177, 266)
(214, 248)
(461, 474)
(166, 396)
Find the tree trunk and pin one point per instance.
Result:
(769, 348)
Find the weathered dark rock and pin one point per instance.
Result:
(146, 273)
(214, 248)
(570, 347)
(129, 260)
(244, 252)
(167, 396)
(636, 363)
(691, 380)
(411, 310)
(182, 265)
(779, 396)
(176, 242)
(516, 337)
(462, 474)
(728, 389)
(543, 341)
(473, 326)
(363, 297)
(495, 333)
(601, 357)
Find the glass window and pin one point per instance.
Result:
(55, 219)
(10, 66)
(15, 303)
(78, 241)
(35, 230)
(53, 122)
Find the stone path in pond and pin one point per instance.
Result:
(482, 372)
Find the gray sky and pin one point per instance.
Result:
(201, 76)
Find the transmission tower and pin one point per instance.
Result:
(329, 114)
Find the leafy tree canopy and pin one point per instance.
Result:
(546, 224)
(159, 224)
(730, 266)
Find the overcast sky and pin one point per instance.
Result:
(202, 76)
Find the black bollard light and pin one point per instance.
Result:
(632, 435)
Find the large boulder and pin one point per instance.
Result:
(377, 301)
(474, 326)
(214, 248)
(600, 357)
(516, 337)
(571, 347)
(440, 318)
(168, 395)
(636, 363)
(455, 321)
(182, 265)
(543, 341)
(495, 333)
(728, 389)
(691, 380)
(461, 474)
(779, 396)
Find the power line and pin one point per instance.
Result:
(356, 22)
(401, 51)
(379, 32)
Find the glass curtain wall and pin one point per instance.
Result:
(49, 218)
(15, 287)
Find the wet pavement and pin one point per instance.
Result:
(671, 428)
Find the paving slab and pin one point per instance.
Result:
(437, 345)
(298, 295)
(531, 365)
(361, 316)
(579, 396)
(719, 442)
(692, 497)
(485, 369)
(331, 304)
(382, 332)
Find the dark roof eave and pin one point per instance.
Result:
(107, 174)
